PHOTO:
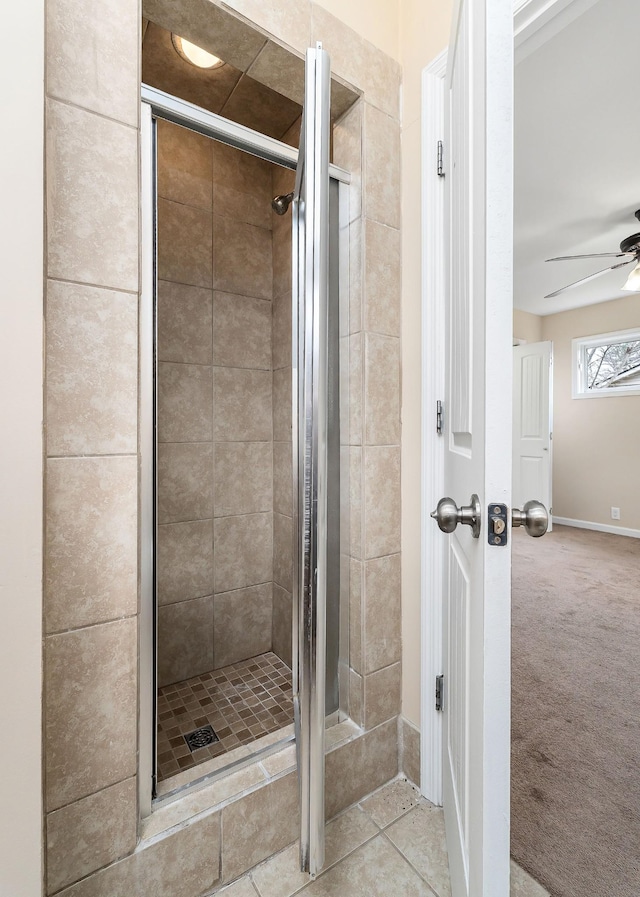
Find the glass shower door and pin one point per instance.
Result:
(310, 297)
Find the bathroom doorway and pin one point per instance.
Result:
(221, 563)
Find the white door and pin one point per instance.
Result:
(532, 424)
(478, 143)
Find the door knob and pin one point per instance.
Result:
(448, 515)
(533, 517)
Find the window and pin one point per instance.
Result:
(607, 364)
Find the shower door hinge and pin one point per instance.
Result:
(439, 418)
(440, 168)
(439, 692)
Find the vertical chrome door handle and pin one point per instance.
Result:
(448, 515)
(533, 517)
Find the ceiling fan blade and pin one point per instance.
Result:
(592, 255)
(590, 277)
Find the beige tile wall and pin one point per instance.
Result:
(283, 182)
(91, 493)
(92, 440)
(215, 449)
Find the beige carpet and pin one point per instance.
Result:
(576, 712)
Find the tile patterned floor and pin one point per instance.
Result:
(242, 702)
(392, 843)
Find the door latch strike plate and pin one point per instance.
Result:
(497, 524)
(439, 692)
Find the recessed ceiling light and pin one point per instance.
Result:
(194, 54)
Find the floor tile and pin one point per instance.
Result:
(241, 888)
(522, 885)
(374, 870)
(391, 802)
(420, 836)
(242, 702)
(280, 876)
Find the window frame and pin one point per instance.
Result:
(579, 388)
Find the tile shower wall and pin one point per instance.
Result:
(215, 430)
(91, 661)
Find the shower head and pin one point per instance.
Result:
(281, 203)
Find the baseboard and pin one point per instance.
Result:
(598, 527)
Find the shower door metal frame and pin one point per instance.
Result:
(310, 305)
(157, 104)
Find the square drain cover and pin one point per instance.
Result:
(201, 738)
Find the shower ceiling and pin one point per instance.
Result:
(225, 90)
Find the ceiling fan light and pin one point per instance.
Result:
(633, 280)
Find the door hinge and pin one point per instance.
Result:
(440, 168)
(439, 692)
(439, 418)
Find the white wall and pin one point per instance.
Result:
(595, 441)
(378, 21)
(21, 239)
(424, 33)
(526, 326)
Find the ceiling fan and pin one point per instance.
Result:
(629, 250)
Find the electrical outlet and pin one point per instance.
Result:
(615, 513)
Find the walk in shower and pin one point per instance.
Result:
(246, 493)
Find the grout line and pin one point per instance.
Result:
(93, 286)
(109, 622)
(64, 102)
(82, 457)
(410, 864)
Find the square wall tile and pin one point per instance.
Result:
(281, 353)
(242, 551)
(184, 323)
(242, 171)
(90, 710)
(91, 543)
(185, 402)
(283, 551)
(249, 208)
(382, 278)
(358, 61)
(185, 482)
(282, 410)
(241, 332)
(242, 405)
(92, 198)
(381, 501)
(282, 248)
(242, 478)
(92, 57)
(184, 166)
(382, 695)
(381, 167)
(184, 244)
(92, 370)
(410, 751)
(242, 258)
(360, 766)
(282, 634)
(242, 624)
(184, 561)
(185, 640)
(283, 478)
(184, 862)
(91, 833)
(251, 829)
(347, 153)
(382, 612)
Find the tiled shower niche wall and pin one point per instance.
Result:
(223, 397)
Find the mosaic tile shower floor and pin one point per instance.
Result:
(242, 702)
